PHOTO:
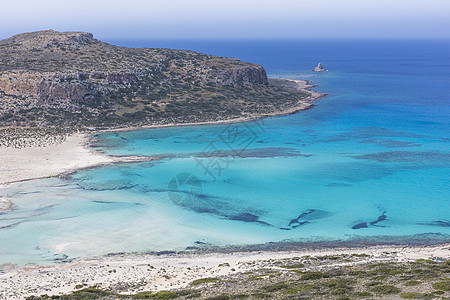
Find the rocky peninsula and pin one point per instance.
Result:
(71, 79)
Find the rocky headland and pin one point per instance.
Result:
(71, 79)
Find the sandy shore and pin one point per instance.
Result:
(54, 159)
(154, 273)
(49, 160)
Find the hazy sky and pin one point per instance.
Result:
(231, 18)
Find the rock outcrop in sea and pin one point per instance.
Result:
(319, 68)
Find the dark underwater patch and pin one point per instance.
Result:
(121, 137)
(11, 225)
(306, 217)
(372, 132)
(334, 184)
(61, 257)
(256, 153)
(36, 213)
(197, 201)
(389, 143)
(440, 223)
(423, 157)
(360, 225)
(330, 140)
(116, 202)
(110, 185)
(380, 218)
(248, 218)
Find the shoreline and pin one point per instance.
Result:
(48, 161)
(72, 155)
(75, 153)
(151, 272)
(302, 105)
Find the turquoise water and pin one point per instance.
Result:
(371, 159)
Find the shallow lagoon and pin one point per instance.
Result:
(371, 159)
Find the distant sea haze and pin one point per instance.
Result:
(371, 159)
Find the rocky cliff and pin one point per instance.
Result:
(70, 78)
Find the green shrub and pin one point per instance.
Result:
(411, 295)
(438, 293)
(158, 295)
(296, 266)
(88, 293)
(313, 276)
(386, 290)
(240, 296)
(412, 283)
(373, 283)
(276, 287)
(360, 255)
(443, 286)
(261, 296)
(205, 280)
(291, 291)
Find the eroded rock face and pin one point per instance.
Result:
(72, 87)
(246, 75)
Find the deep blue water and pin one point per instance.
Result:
(371, 159)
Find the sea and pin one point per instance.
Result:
(369, 163)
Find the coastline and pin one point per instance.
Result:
(150, 272)
(302, 105)
(74, 153)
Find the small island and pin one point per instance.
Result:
(319, 68)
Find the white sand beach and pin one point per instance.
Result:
(48, 160)
(154, 273)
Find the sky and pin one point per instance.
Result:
(174, 19)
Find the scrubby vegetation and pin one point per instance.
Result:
(17, 137)
(335, 277)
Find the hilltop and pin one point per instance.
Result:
(71, 79)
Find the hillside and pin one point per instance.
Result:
(68, 79)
